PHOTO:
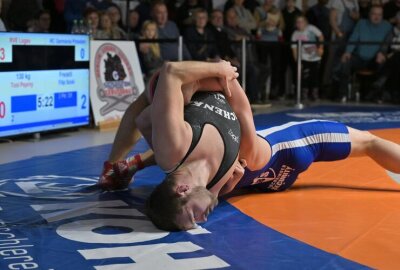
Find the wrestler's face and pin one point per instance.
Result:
(200, 203)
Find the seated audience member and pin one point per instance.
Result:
(100, 5)
(256, 72)
(92, 20)
(358, 56)
(222, 41)
(167, 30)
(133, 26)
(41, 23)
(390, 79)
(365, 6)
(310, 56)
(116, 20)
(245, 18)
(390, 10)
(107, 30)
(200, 40)
(150, 52)
(185, 13)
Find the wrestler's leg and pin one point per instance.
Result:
(118, 171)
(128, 134)
(383, 152)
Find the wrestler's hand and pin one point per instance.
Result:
(228, 73)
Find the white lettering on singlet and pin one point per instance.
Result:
(226, 114)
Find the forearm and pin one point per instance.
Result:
(191, 71)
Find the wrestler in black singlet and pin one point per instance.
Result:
(212, 108)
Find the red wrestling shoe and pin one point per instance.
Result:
(118, 175)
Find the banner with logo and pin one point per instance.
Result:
(115, 78)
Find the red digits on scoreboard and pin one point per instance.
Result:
(2, 54)
(2, 110)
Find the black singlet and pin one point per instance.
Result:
(212, 108)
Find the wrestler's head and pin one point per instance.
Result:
(174, 206)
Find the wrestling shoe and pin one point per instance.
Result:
(118, 175)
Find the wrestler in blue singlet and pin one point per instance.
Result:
(294, 146)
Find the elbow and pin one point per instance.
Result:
(172, 69)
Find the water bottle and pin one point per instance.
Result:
(82, 27)
(75, 29)
(89, 30)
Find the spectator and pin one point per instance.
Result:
(134, 27)
(343, 17)
(167, 29)
(2, 26)
(270, 22)
(41, 23)
(222, 41)
(245, 18)
(365, 6)
(365, 56)
(107, 30)
(56, 9)
(92, 19)
(390, 10)
(200, 39)
(185, 13)
(318, 15)
(100, 5)
(20, 12)
(390, 73)
(257, 73)
(268, 14)
(144, 10)
(289, 14)
(115, 15)
(73, 10)
(310, 56)
(150, 52)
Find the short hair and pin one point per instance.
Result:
(376, 6)
(90, 10)
(158, 3)
(41, 12)
(163, 205)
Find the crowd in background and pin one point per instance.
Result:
(272, 27)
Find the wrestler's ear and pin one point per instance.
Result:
(182, 189)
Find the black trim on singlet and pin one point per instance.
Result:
(199, 116)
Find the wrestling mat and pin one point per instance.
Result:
(342, 215)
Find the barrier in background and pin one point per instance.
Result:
(115, 80)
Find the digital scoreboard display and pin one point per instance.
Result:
(44, 82)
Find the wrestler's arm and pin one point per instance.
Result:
(171, 135)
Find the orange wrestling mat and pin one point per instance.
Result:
(350, 208)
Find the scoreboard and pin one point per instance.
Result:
(44, 82)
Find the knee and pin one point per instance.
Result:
(369, 141)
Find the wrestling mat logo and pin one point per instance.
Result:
(114, 78)
(79, 226)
